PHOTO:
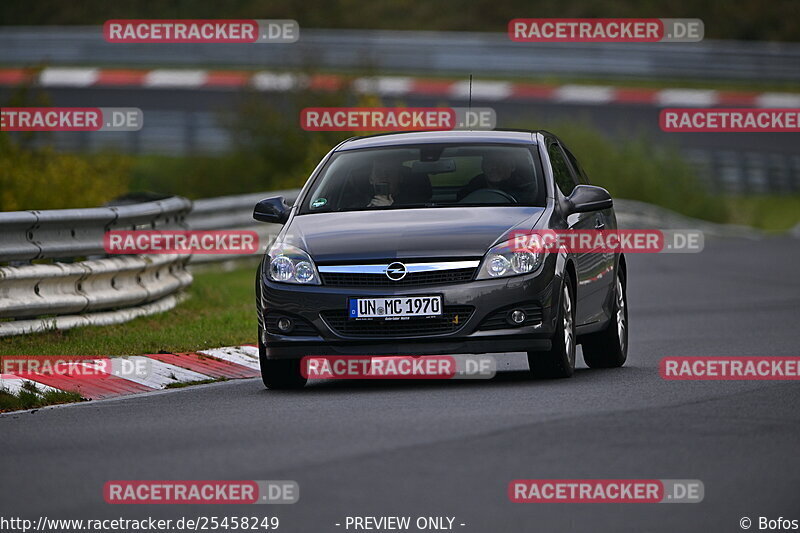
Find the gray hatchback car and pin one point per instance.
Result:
(401, 244)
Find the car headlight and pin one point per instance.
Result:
(290, 264)
(506, 260)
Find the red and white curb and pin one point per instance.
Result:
(163, 369)
(393, 86)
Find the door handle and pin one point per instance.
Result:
(599, 224)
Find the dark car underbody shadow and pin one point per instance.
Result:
(507, 378)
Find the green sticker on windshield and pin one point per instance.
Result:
(319, 202)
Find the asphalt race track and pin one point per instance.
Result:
(451, 448)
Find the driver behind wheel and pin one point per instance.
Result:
(499, 173)
(385, 179)
(392, 183)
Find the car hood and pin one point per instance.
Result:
(407, 233)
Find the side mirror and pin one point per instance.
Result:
(587, 198)
(272, 210)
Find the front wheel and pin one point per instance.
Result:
(279, 373)
(609, 348)
(559, 361)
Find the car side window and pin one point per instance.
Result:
(561, 172)
(576, 166)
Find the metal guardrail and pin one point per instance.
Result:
(234, 212)
(420, 52)
(81, 286)
(89, 286)
(69, 233)
(229, 212)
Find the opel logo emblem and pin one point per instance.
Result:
(396, 271)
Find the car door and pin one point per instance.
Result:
(605, 220)
(589, 293)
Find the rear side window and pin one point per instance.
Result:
(561, 171)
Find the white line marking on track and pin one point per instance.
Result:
(68, 77)
(687, 97)
(482, 90)
(236, 355)
(273, 81)
(778, 100)
(175, 78)
(149, 372)
(584, 94)
(13, 384)
(385, 85)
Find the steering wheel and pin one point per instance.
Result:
(488, 196)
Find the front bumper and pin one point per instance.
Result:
(314, 304)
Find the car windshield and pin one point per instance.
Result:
(428, 175)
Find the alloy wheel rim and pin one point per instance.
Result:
(621, 325)
(569, 337)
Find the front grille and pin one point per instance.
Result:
(452, 319)
(497, 320)
(417, 279)
(301, 328)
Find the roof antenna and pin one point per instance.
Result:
(469, 105)
(470, 91)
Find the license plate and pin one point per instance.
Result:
(395, 307)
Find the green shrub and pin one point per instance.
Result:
(43, 178)
(270, 149)
(637, 170)
(33, 175)
(31, 397)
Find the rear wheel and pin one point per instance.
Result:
(559, 361)
(279, 373)
(609, 348)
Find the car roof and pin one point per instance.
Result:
(435, 137)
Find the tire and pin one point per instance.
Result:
(559, 361)
(609, 348)
(279, 374)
